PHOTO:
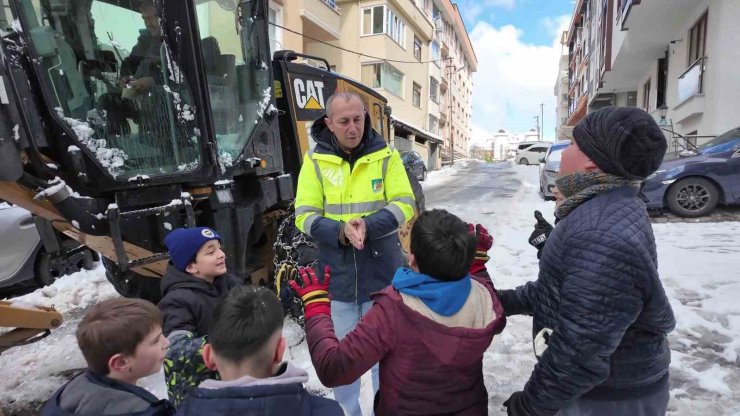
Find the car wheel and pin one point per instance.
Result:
(692, 197)
(131, 284)
(52, 266)
(523, 161)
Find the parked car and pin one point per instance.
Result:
(531, 153)
(549, 168)
(413, 161)
(692, 183)
(23, 256)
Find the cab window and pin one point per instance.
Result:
(110, 79)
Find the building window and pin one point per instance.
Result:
(382, 20)
(698, 40)
(646, 96)
(275, 17)
(417, 48)
(435, 52)
(383, 75)
(432, 124)
(416, 95)
(433, 89)
(372, 20)
(331, 3)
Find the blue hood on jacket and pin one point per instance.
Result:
(444, 298)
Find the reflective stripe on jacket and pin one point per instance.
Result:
(329, 188)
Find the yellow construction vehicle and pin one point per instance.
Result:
(121, 120)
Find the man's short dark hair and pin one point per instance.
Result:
(115, 326)
(442, 245)
(244, 321)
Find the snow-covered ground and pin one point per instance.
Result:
(699, 265)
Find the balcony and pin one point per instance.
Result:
(443, 85)
(321, 20)
(445, 49)
(624, 7)
(442, 117)
(691, 82)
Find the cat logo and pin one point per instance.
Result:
(309, 95)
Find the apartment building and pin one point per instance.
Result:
(414, 52)
(674, 58)
(457, 66)
(561, 91)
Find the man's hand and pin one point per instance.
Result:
(142, 85)
(314, 294)
(484, 242)
(356, 232)
(125, 81)
(542, 230)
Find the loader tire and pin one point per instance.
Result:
(131, 284)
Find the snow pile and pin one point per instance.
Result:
(75, 291)
(110, 158)
(226, 160)
(32, 373)
(265, 107)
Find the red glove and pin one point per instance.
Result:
(315, 295)
(484, 242)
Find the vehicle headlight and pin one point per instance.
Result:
(655, 174)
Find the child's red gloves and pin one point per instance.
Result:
(315, 295)
(484, 242)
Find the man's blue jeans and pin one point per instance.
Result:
(345, 316)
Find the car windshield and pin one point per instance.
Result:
(721, 143)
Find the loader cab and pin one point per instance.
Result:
(304, 90)
(153, 91)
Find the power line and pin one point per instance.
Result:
(356, 52)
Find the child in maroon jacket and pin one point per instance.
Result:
(428, 329)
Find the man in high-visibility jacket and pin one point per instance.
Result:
(353, 194)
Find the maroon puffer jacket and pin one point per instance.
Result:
(426, 368)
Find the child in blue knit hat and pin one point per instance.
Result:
(195, 282)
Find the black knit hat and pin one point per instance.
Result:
(623, 141)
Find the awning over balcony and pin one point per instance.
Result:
(421, 133)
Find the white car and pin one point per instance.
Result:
(530, 153)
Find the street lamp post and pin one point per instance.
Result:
(662, 111)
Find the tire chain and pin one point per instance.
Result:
(286, 268)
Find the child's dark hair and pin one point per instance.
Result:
(244, 321)
(115, 326)
(443, 246)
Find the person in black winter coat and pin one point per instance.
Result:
(121, 340)
(601, 315)
(246, 347)
(195, 282)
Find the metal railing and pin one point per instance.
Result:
(691, 82)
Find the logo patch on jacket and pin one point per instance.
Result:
(377, 185)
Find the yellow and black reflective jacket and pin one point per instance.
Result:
(334, 187)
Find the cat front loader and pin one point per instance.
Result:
(121, 120)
